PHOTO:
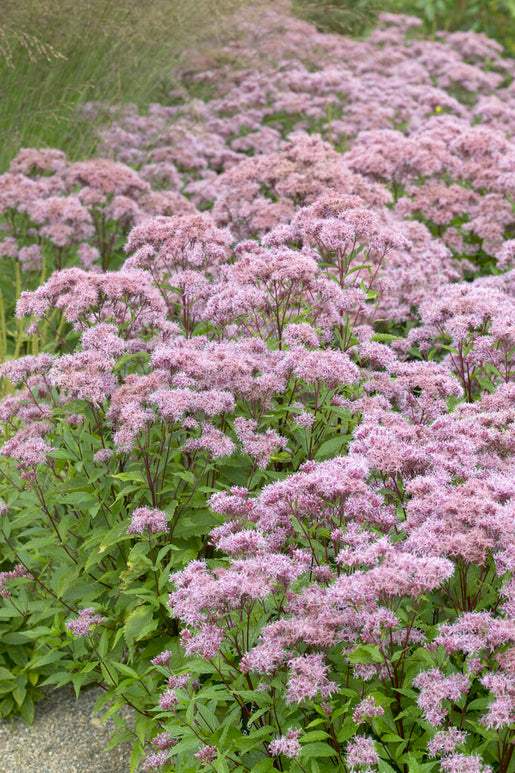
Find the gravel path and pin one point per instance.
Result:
(66, 737)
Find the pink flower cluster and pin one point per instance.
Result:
(287, 744)
(146, 519)
(18, 571)
(82, 625)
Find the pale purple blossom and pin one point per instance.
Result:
(287, 744)
(367, 709)
(308, 679)
(168, 700)
(19, 571)
(446, 741)
(206, 754)
(163, 659)
(103, 455)
(156, 760)
(81, 625)
(146, 519)
(435, 688)
(361, 752)
(164, 741)
(462, 763)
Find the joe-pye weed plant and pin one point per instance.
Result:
(292, 411)
(114, 445)
(351, 622)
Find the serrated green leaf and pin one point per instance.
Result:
(123, 668)
(332, 447)
(263, 766)
(139, 623)
(138, 750)
(385, 337)
(314, 735)
(317, 749)
(134, 476)
(366, 653)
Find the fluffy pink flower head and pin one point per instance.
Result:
(259, 446)
(207, 754)
(206, 643)
(501, 711)
(165, 244)
(81, 626)
(103, 455)
(32, 161)
(287, 744)
(146, 519)
(31, 257)
(446, 741)
(19, 370)
(164, 741)
(163, 659)
(18, 571)
(435, 687)
(156, 760)
(168, 700)
(61, 219)
(308, 678)
(462, 763)
(367, 709)
(361, 752)
(106, 178)
(28, 448)
(212, 440)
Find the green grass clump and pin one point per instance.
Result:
(57, 54)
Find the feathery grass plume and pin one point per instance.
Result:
(11, 38)
(54, 54)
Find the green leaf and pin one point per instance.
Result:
(315, 735)
(199, 523)
(134, 476)
(114, 537)
(6, 706)
(38, 661)
(16, 637)
(479, 703)
(264, 766)
(408, 692)
(118, 738)
(317, 749)
(185, 475)
(125, 669)
(366, 653)
(143, 727)
(137, 753)
(384, 767)
(27, 710)
(332, 447)
(5, 674)
(385, 337)
(139, 623)
(20, 690)
(346, 732)
(81, 499)
(414, 766)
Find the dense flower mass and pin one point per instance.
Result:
(81, 626)
(265, 417)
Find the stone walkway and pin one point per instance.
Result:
(66, 737)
